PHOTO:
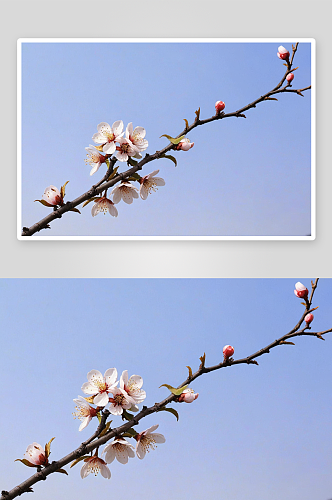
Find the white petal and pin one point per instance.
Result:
(121, 156)
(95, 209)
(109, 148)
(117, 127)
(95, 376)
(113, 210)
(85, 470)
(127, 195)
(159, 181)
(116, 195)
(140, 451)
(110, 454)
(84, 423)
(159, 438)
(143, 191)
(95, 168)
(110, 376)
(129, 130)
(124, 379)
(105, 472)
(140, 132)
(101, 399)
(137, 379)
(88, 388)
(104, 127)
(151, 429)
(98, 139)
(115, 409)
(81, 401)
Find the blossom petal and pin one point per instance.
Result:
(95, 377)
(95, 168)
(159, 438)
(105, 472)
(85, 471)
(104, 127)
(109, 148)
(137, 379)
(110, 376)
(117, 127)
(159, 181)
(124, 379)
(88, 388)
(143, 191)
(116, 195)
(140, 451)
(84, 423)
(101, 399)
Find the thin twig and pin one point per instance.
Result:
(104, 183)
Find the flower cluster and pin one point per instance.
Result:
(110, 141)
(118, 396)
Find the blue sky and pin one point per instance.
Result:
(242, 178)
(255, 431)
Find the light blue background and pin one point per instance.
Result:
(255, 432)
(244, 177)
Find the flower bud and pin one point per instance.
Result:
(290, 77)
(188, 396)
(52, 196)
(283, 53)
(220, 105)
(228, 351)
(308, 319)
(301, 291)
(185, 144)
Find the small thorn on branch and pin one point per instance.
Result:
(252, 362)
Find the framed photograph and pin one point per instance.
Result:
(166, 139)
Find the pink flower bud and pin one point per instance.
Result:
(187, 396)
(220, 105)
(185, 144)
(228, 351)
(290, 77)
(52, 196)
(308, 319)
(301, 291)
(283, 53)
(35, 454)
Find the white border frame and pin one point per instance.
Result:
(312, 41)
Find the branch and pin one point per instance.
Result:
(105, 184)
(97, 440)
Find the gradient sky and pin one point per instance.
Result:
(244, 177)
(255, 431)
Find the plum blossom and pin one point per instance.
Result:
(52, 196)
(228, 351)
(220, 106)
(108, 135)
(148, 439)
(301, 291)
(290, 77)
(35, 454)
(125, 191)
(136, 137)
(94, 158)
(120, 401)
(188, 396)
(133, 386)
(84, 412)
(283, 53)
(100, 386)
(149, 183)
(119, 449)
(95, 464)
(125, 149)
(309, 318)
(185, 144)
(105, 205)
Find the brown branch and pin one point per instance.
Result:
(95, 441)
(104, 184)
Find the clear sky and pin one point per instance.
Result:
(244, 177)
(255, 432)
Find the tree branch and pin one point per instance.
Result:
(96, 440)
(105, 184)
